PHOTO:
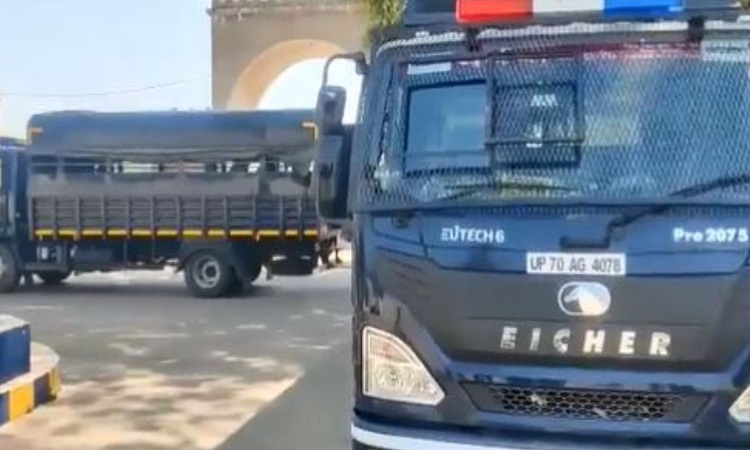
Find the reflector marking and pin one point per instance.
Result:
(494, 10)
(552, 6)
(487, 10)
(241, 233)
(652, 5)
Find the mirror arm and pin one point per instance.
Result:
(357, 57)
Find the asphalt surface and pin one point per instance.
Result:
(147, 367)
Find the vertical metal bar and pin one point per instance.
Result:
(152, 214)
(204, 219)
(128, 218)
(107, 178)
(179, 224)
(152, 217)
(104, 215)
(79, 222)
(225, 206)
(254, 205)
(30, 201)
(300, 217)
(55, 218)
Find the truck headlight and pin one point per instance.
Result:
(740, 411)
(391, 371)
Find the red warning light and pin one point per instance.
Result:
(473, 11)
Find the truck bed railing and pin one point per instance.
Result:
(165, 216)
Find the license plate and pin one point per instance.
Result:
(601, 264)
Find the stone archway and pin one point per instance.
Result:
(258, 75)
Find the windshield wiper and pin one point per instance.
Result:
(628, 218)
(467, 190)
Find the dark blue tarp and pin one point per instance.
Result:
(172, 133)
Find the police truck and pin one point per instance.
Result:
(549, 204)
(216, 194)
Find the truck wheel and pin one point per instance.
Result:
(53, 278)
(253, 272)
(208, 275)
(10, 274)
(237, 287)
(305, 266)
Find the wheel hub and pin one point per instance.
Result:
(207, 272)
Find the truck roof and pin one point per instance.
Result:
(9, 143)
(171, 133)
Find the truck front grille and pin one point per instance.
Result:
(604, 405)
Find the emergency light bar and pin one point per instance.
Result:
(475, 11)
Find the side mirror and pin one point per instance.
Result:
(331, 175)
(329, 112)
(361, 67)
(331, 172)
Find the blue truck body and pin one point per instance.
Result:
(226, 191)
(550, 219)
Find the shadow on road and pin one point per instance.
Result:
(145, 367)
(132, 284)
(314, 412)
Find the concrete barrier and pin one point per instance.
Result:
(40, 385)
(15, 348)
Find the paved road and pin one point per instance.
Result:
(146, 367)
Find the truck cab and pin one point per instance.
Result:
(12, 185)
(550, 214)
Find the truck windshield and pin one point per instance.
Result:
(622, 123)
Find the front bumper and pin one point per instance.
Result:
(391, 437)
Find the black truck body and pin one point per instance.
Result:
(219, 194)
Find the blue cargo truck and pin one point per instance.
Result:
(549, 204)
(218, 195)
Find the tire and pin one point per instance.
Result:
(209, 275)
(10, 273)
(301, 266)
(237, 287)
(295, 266)
(53, 278)
(253, 272)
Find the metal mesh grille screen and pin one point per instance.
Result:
(558, 119)
(615, 406)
